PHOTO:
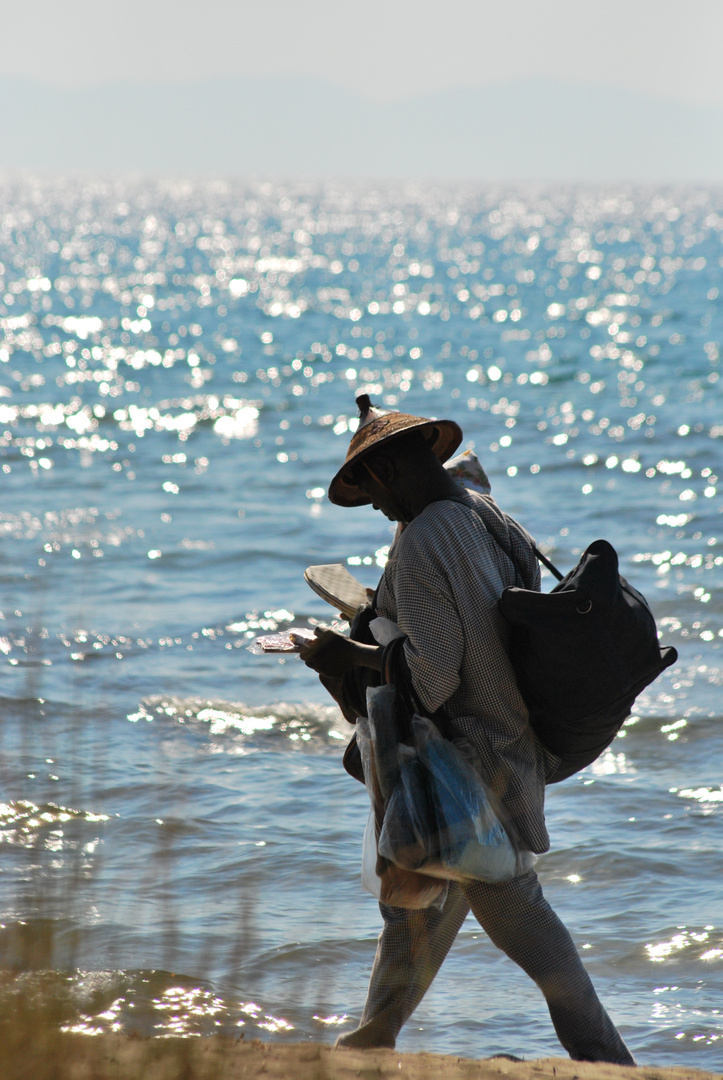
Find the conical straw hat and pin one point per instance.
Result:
(376, 428)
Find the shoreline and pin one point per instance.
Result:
(66, 1056)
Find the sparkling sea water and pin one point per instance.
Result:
(178, 367)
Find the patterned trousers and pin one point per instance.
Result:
(520, 922)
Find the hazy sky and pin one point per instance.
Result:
(384, 49)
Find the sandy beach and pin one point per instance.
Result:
(77, 1057)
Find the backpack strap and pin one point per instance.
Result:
(546, 562)
(508, 550)
(542, 558)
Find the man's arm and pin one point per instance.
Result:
(427, 615)
(334, 654)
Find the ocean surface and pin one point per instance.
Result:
(178, 365)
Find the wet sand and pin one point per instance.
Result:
(110, 1057)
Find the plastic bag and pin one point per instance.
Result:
(377, 741)
(369, 877)
(384, 737)
(395, 886)
(384, 630)
(440, 819)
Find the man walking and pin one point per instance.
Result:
(445, 573)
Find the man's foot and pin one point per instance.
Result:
(362, 1039)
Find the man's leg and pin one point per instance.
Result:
(410, 952)
(519, 921)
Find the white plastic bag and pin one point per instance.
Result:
(369, 877)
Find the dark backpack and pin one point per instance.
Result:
(582, 654)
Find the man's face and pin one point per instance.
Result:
(370, 478)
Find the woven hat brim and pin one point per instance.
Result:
(444, 436)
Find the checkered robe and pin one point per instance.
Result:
(441, 585)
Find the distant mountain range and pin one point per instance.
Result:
(534, 129)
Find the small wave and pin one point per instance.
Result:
(235, 727)
(150, 1003)
(25, 824)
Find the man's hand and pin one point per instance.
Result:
(334, 654)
